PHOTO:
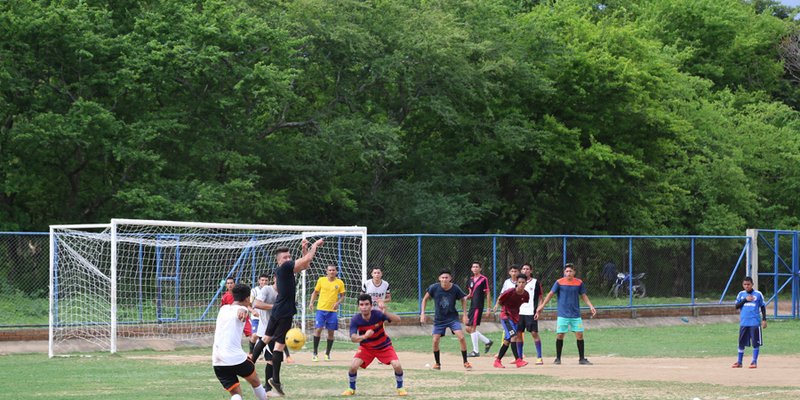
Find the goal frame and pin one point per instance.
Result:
(112, 227)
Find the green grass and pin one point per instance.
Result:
(124, 376)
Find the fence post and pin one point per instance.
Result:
(419, 274)
(692, 271)
(630, 272)
(752, 256)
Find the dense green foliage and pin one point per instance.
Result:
(568, 116)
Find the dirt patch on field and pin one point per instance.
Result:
(772, 370)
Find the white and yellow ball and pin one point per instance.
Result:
(295, 339)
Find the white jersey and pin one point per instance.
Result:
(529, 307)
(268, 295)
(228, 337)
(508, 284)
(378, 292)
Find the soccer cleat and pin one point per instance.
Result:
(436, 366)
(349, 392)
(520, 363)
(487, 346)
(276, 388)
(402, 392)
(539, 361)
(474, 354)
(753, 365)
(736, 365)
(584, 361)
(327, 357)
(314, 358)
(468, 366)
(557, 361)
(498, 364)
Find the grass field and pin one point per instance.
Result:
(186, 373)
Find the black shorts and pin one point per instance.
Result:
(228, 374)
(474, 317)
(527, 323)
(277, 328)
(750, 335)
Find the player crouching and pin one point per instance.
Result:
(366, 328)
(227, 357)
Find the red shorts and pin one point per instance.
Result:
(385, 355)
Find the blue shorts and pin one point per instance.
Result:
(442, 329)
(509, 329)
(564, 325)
(254, 322)
(326, 319)
(750, 335)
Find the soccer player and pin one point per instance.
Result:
(265, 300)
(285, 308)
(510, 301)
(753, 317)
(569, 290)
(445, 294)
(478, 286)
(526, 311)
(331, 293)
(227, 298)
(227, 356)
(366, 328)
(377, 288)
(510, 283)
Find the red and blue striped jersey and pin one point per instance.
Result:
(379, 340)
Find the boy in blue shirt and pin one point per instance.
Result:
(445, 294)
(753, 317)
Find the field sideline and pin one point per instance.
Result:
(673, 362)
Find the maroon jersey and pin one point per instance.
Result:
(511, 300)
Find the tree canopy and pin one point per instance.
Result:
(549, 116)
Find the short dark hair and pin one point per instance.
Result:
(374, 267)
(522, 276)
(264, 275)
(570, 265)
(445, 271)
(281, 250)
(513, 266)
(477, 262)
(364, 297)
(230, 278)
(747, 279)
(528, 264)
(240, 292)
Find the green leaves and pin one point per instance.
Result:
(449, 116)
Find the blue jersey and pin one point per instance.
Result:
(444, 302)
(569, 294)
(751, 310)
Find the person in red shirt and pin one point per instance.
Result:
(511, 300)
(366, 329)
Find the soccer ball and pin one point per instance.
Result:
(295, 339)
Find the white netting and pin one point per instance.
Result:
(168, 276)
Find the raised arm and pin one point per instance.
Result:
(305, 261)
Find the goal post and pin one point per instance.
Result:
(139, 280)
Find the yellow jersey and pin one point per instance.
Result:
(328, 293)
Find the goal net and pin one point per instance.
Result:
(131, 281)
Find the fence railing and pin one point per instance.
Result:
(679, 270)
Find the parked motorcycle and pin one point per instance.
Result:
(621, 286)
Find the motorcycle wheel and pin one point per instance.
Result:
(641, 291)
